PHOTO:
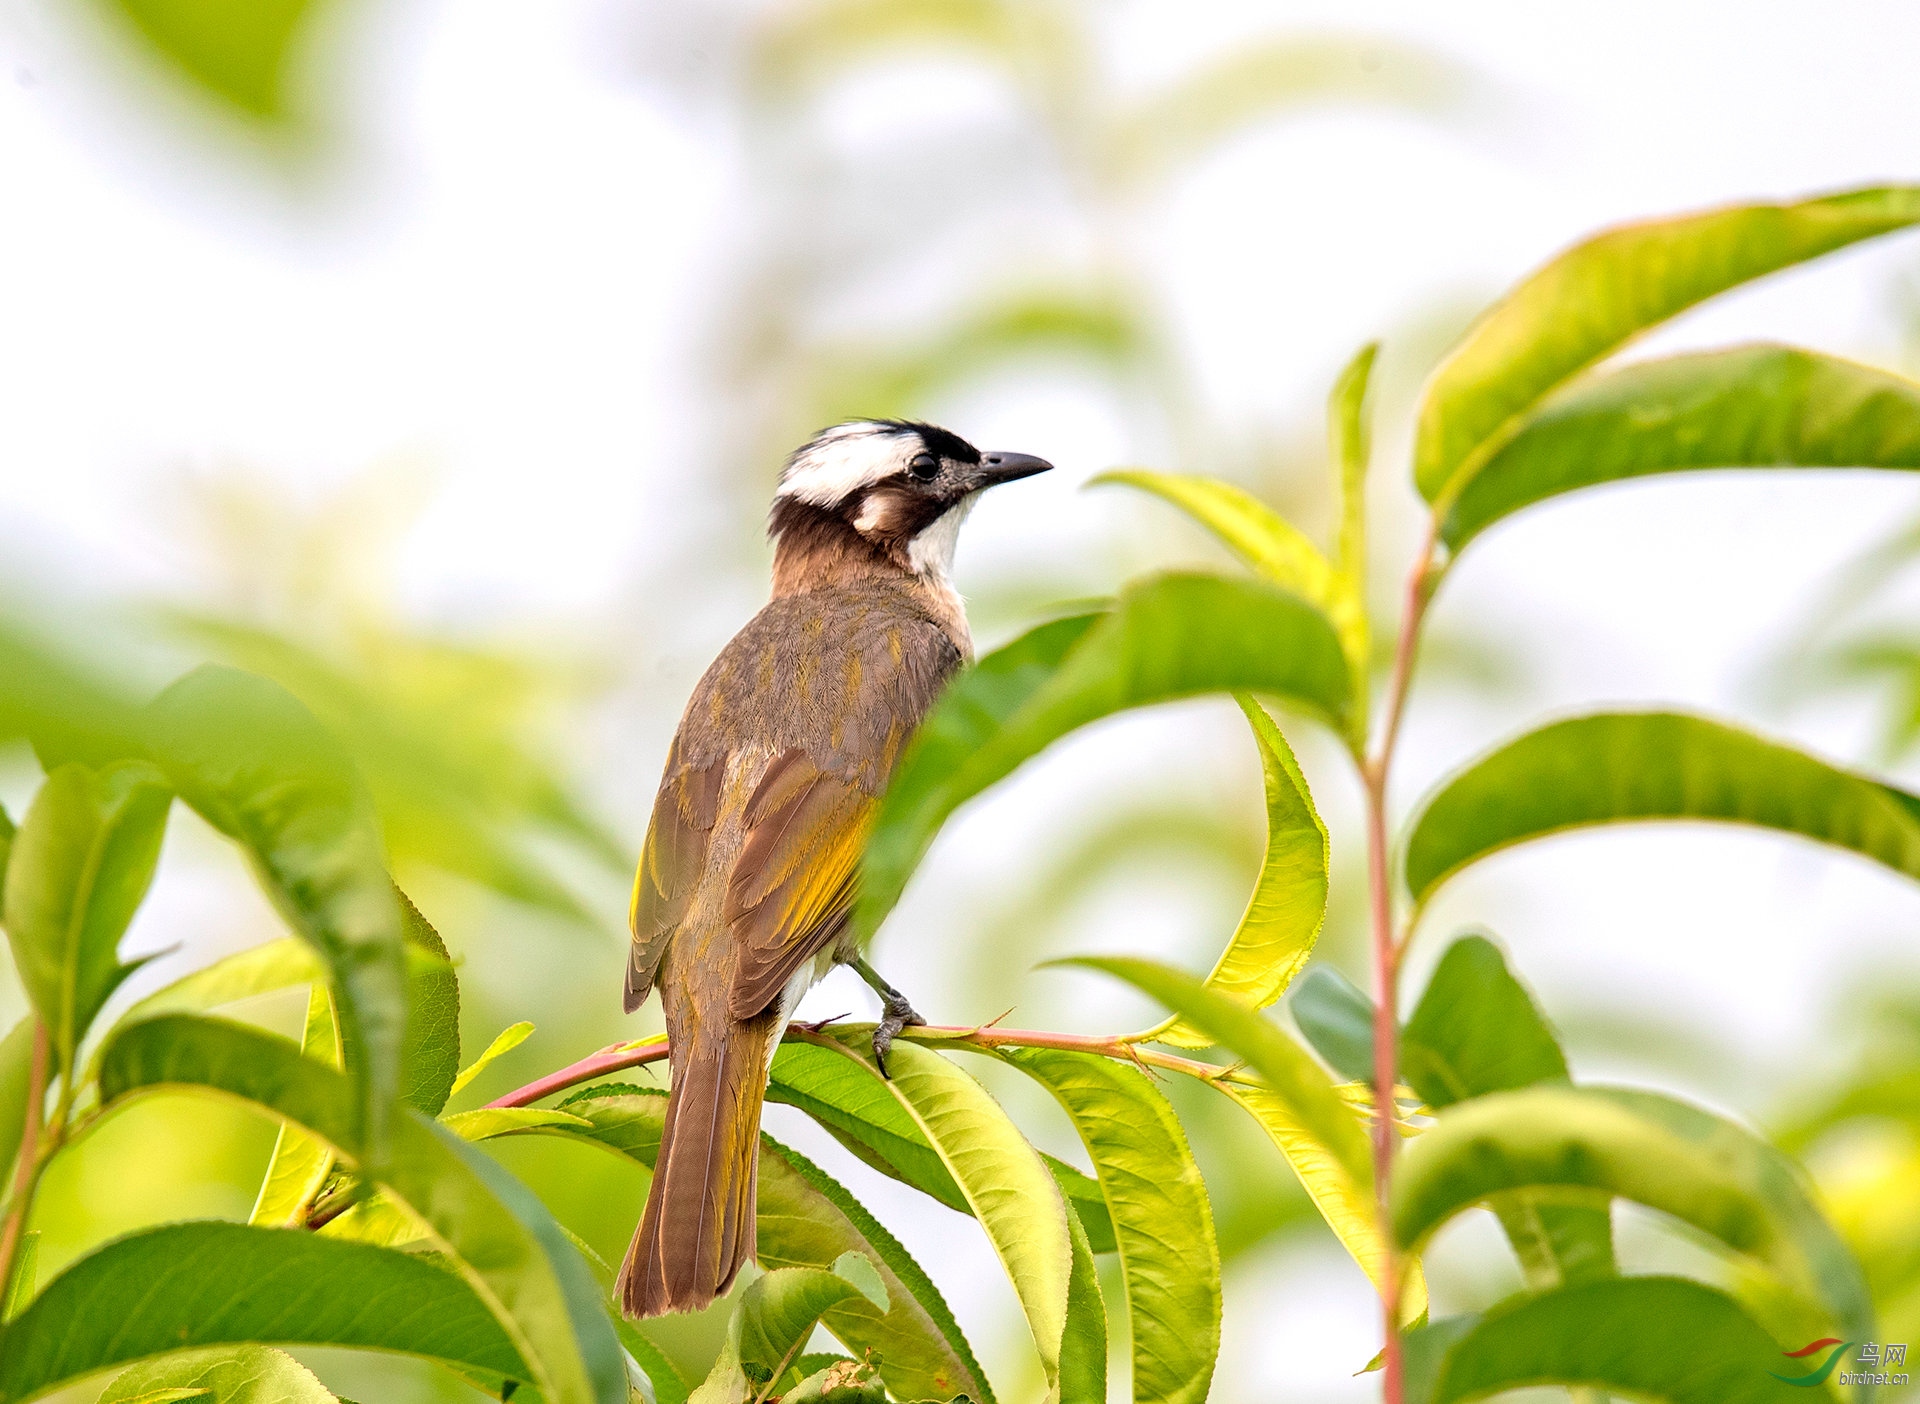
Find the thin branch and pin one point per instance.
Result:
(616, 1057)
(611, 1059)
(26, 1172)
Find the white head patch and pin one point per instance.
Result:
(838, 462)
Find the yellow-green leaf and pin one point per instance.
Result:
(1596, 296)
(1277, 932)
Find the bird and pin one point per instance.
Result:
(750, 867)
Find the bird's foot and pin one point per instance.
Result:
(896, 1014)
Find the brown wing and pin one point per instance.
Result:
(792, 886)
(830, 684)
(671, 864)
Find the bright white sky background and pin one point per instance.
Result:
(507, 288)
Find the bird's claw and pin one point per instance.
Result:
(896, 1015)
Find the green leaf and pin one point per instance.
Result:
(866, 1118)
(61, 706)
(430, 1056)
(1758, 406)
(770, 1325)
(1654, 1338)
(200, 1284)
(807, 1219)
(483, 1123)
(504, 1042)
(1627, 766)
(669, 1387)
(301, 1161)
(255, 763)
(1169, 1260)
(16, 1086)
(25, 1277)
(1424, 1350)
(1083, 1341)
(1169, 637)
(505, 1244)
(1272, 547)
(1595, 297)
(1336, 1018)
(80, 867)
(1277, 932)
(1009, 1190)
(272, 965)
(241, 52)
(1477, 1031)
(7, 831)
(1307, 1120)
(1350, 431)
(1580, 1144)
(223, 1375)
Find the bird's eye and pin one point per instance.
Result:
(924, 467)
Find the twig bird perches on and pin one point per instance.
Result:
(747, 878)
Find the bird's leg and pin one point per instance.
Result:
(896, 1013)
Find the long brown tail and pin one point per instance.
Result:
(699, 1223)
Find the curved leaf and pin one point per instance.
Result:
(1587, 1141)
(1011, 1194)
(1747, 407)
(858, 1111)
(430, 1055)
(1655, 1338)
(1477, 1031)
(1277, 932)
(79, 868)
(1298, 1108)
(776, 1314)
(272, 965)
(1621, 767)
(806, 1219)
(16, 1085)
(301, 1161)
(1272, 547)
(250, 1374)
(1350, 434)
(506, 1245)
(200, 1284)
(1169, 1260)
(1170, 637)
(504, 1042)
(1336, 1019)
(255, 763)
(1596, 296)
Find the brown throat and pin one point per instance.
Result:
(818, 549)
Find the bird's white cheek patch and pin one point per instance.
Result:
(931, 552)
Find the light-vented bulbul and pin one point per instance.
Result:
(747, 879)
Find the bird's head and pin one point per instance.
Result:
(899, 489)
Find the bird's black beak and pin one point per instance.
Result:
(997, 468)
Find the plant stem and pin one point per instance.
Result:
(26, 1171)
(618, 1056)
(1375, 773)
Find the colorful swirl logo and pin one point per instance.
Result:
(1819, 1376)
